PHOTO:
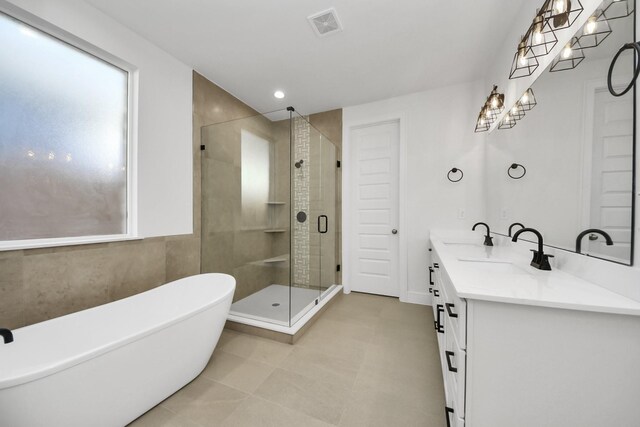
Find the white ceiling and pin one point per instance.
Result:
(388, 48)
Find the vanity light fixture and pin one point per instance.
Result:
(569, 58)
(595, 30)
(615, 9)
(528, 100)
(561, 14)
(540, 37)
(524, 63)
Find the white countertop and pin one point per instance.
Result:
(501, 274)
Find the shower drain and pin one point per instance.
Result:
(275, 304)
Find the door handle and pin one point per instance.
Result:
(449, 311)
(326, 224)
(439, 326)
(448, 411)
(394, 231)
(448, 355)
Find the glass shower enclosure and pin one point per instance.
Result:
(269, 213)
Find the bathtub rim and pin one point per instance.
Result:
(14, 381)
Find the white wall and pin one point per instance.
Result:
(164, 110)
(438, 127)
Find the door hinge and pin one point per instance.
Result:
(202, 147)
(338, 267)
(338, 165)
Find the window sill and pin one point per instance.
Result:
(16, 245)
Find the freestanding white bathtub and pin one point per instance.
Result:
(108, 365)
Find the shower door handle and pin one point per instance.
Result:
(326, 224)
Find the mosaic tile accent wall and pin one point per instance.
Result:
(301, 149)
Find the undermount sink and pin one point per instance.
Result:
(503, 267)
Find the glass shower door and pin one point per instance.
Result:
(327, 204)
(314, 233)
(305, 239)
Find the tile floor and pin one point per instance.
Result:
(367, 361)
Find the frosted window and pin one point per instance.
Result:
(255, 156)
(63, 139)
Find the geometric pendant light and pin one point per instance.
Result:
(507, 122)
(569, 58)
(594, 31)
(482, 123)
(528, 100)
(516, 112)
(540, 37)
(524, 61)
(561, 14)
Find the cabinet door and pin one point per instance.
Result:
(455, 368)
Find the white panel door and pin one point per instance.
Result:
(611, 196)
(374, 210)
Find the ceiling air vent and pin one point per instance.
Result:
(325, 22)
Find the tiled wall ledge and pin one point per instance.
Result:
(40, 284)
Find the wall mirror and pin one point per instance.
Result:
(577, 145)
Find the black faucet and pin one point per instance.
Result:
(540, 259)
(7, 335)
(487, 239)
(590, 231)
(513, 225)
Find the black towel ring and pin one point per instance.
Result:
(455, 170)
(516, 166)
(636, 68)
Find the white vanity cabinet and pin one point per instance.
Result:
(449, 313)
(507, 364)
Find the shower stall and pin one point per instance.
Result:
(269, 215)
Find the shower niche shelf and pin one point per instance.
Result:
(275, 260)
(275, 203)
(275, 230)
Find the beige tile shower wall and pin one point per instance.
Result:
(303, 236)
(40, 284)
(282, 213)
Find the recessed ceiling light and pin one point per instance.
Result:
(278, 94)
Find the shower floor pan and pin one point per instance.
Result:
(271, 304)
(269, 307)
